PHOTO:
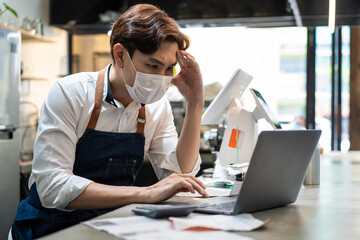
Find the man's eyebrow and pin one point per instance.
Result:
(161, 63)
(157, 61)
(174, 64)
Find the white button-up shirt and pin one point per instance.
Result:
(64, 118)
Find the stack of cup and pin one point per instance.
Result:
(313, 173)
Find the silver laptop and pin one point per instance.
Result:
(275, 174)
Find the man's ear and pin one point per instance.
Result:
(119, 54)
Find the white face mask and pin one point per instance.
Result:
(148, 88)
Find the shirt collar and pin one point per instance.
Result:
(108, 94)
(109, 97)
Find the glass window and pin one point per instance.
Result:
(323, 86)
(275, 57)
(345, 91)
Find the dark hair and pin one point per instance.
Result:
(144, 27)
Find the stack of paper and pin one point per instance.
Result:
(181, 235)
(241, 222)
(140, 227)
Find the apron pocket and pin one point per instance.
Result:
(120, 170)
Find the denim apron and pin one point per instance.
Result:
(103, 157)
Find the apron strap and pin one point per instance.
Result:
(98, 102)
(141, 120)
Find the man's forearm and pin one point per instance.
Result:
(187, 150)
(97, 196)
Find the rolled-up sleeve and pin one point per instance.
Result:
(162, 151)
(54, 151)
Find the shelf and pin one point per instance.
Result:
(62, 75)
(27, 36)
(25, 166)
(32, 78)
(94, 28)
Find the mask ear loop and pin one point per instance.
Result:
(123, 75)
(132, 64)
(130, 60)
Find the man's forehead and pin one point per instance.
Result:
(171, 61)
(162, 57)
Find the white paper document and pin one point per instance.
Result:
(216, 191)
(241, 222)
(140, 227)
(211, 191)
(183, 235)
(120, 227)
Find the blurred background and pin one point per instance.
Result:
(300, 57)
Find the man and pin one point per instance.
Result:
(96, 127)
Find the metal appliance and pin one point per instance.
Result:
(9, 121)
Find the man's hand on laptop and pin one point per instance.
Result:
(170, 186)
